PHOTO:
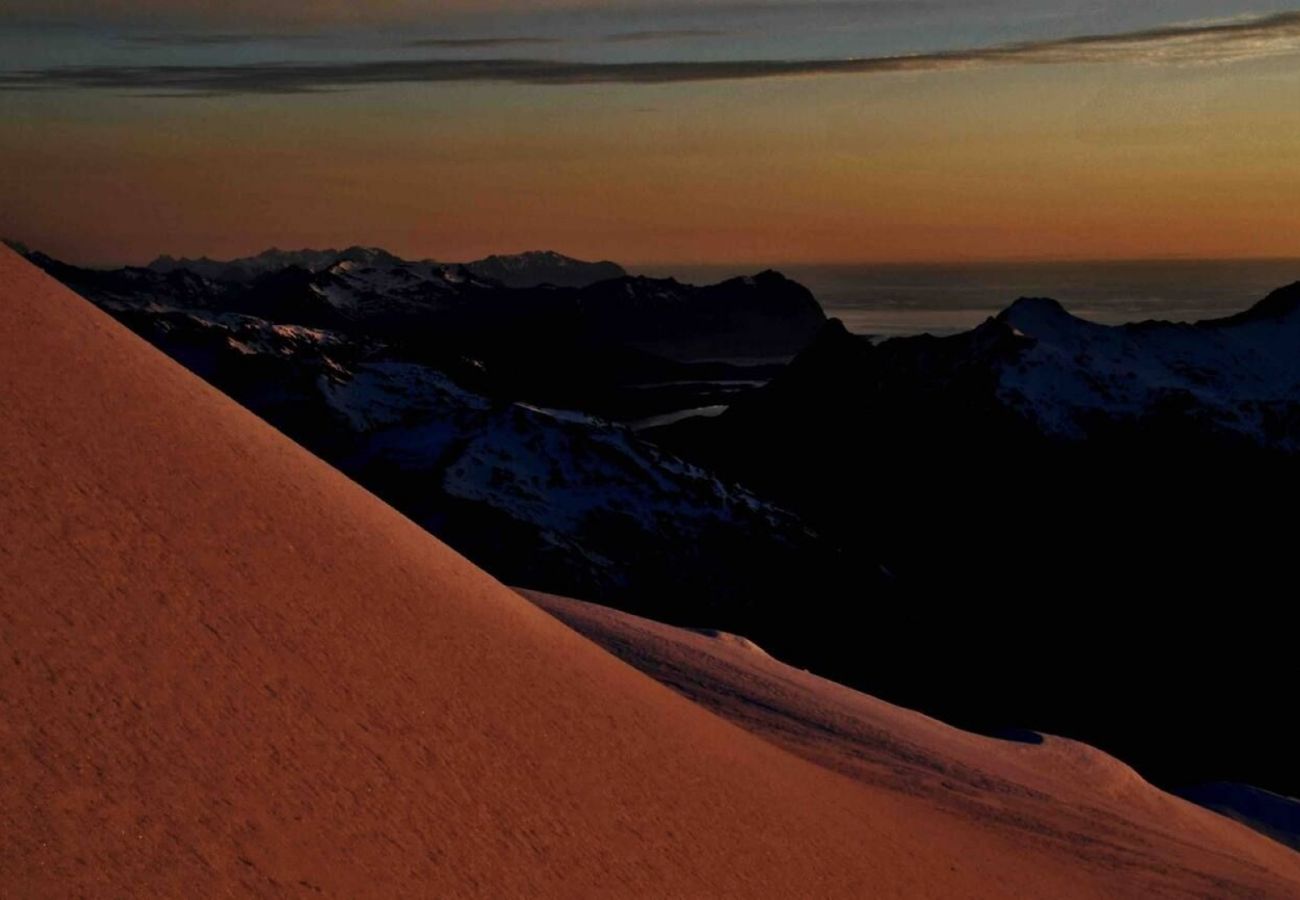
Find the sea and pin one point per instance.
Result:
(889, 300)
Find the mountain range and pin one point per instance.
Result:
(1121, 487)
(1039, 475)
(230, 670)
(433, 388)
(518, 270)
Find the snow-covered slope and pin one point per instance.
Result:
(1049, 791)
(539, 496)
(597, 501)
(1236, 378)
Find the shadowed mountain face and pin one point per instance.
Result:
(627, 348)
(1090, 513)
(1094, 512)
(1268, 813)
(414, 378)
(231, 672)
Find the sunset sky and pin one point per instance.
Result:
(653, 132)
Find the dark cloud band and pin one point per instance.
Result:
(623, 37)
(1214, 42)
(481, 43)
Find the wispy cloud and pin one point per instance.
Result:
(623, 37)
(206, 39)
(482, 43)
(1245, 37)
(1196, 43)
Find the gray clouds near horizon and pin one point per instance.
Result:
(1209, 42)
(625, 37)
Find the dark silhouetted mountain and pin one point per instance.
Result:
(1280, 307)
(531, 297)
(394, 373)
(544, 267)
(1035, 373)
(765, 316)
(524, 270)
(1266, 812)
(1098, 515)
(1033, 383)
(628, 348)
(1095, 511)
(274, 259)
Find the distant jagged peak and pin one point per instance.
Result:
(369, 256)
(1035, 315)
(1043, 318)
(1280, 305)
(529, 257)
(528, 269)
(168, 263)
(533, 257)
(768, 278)
(274, 258)
(319, 260)
(1033, 310)
(538, 267)
(355, 251)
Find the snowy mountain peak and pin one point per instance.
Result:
(271, 260)
(537, 267)
(1033, 314)
(524, 270)
(530, 257)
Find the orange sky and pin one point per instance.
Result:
(1123, 160)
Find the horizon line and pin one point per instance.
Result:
(750, 264)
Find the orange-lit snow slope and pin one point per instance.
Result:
(229, 670)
